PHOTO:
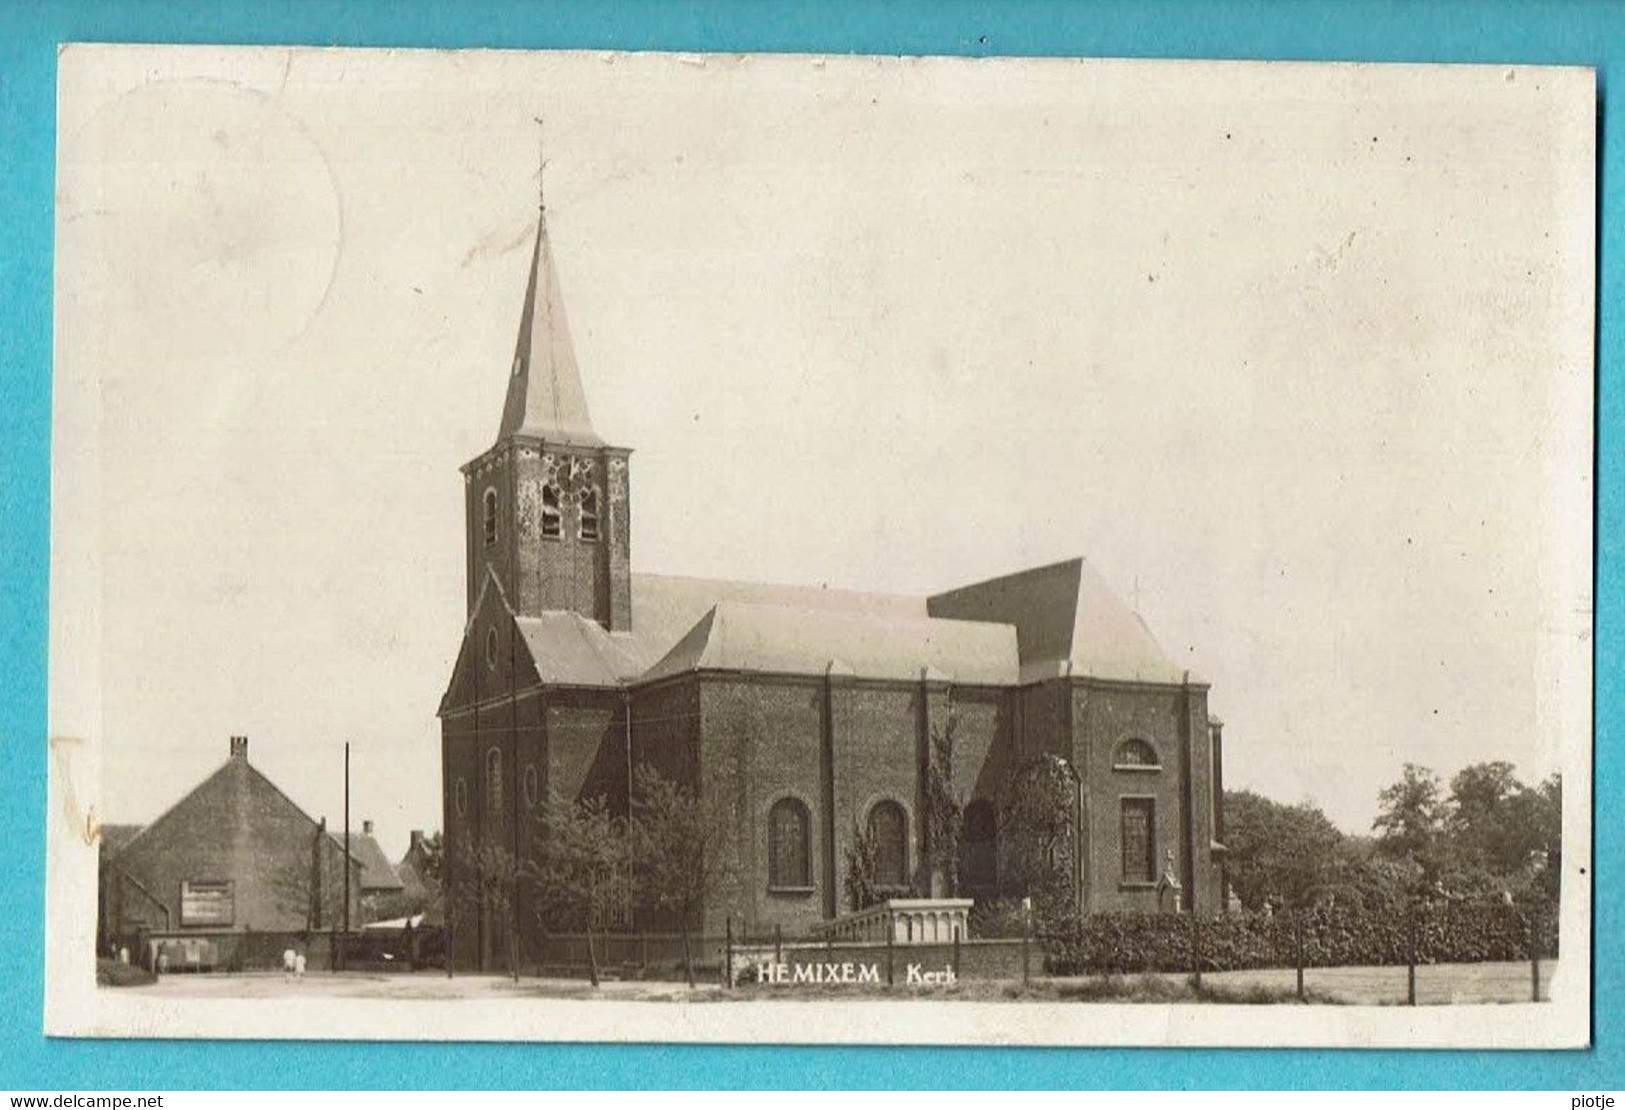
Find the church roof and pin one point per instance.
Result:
(545, 398)
(571, 650)
(781, 639)
(1048, 622)
(1068, 622)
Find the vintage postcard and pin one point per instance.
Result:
(804, 549)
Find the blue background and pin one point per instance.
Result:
(1495, 31)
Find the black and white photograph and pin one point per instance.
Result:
(654, 547)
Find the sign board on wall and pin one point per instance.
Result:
(207, 903)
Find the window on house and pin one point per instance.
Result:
(493, 780)
(789, 858)
(589, 513)
(980, 847)
(207, 902)
(888, 833)
(1136, 755)
(490, 517)
(1139, 840)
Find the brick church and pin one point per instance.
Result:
(812, 708)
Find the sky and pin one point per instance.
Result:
(1298, 356)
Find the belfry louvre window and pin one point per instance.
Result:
(552, 522)
(789, 862)
(490, 516)
(888, 832)
(589, 514)
(1139, 840)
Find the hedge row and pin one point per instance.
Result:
(1329, 936)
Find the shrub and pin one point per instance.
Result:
(1331, 936)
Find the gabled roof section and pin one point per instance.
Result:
(776, 639)
(545, 398)
(1068, 622)
(568, 649)
(234, 773)
(376, 872)
(114, 837)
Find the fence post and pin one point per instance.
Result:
(728, 956)
(1297, 945)
(956, 951)
(1534, 954)
(1410, 958)
(1196, 951)
(688, 958)
(891, 938)
(778, 944)
(1026, 945)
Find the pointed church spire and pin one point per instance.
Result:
(545, 398)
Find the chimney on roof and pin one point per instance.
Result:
(239, 747)
(417, 840)
(366, 826)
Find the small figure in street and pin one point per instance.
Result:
(299, 965)
(288, 956)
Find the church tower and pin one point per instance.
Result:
(546, 507)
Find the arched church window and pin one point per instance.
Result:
(789, 859)
(1139, 832)
(589, 513)
(491, 648)
(493, 780)
(533, 786)
(490, 517)
(981, 847)
(552, 521)
(459, 796)
(888, 833)
(1135, 754)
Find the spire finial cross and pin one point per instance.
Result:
(541, 162)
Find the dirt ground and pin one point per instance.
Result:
(1435, 985)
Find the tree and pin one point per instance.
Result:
(1279, 852)
(578, 870)
(1037, 832)
(681, 849)
(944, 809)
(430, 867)
(311, 886)
(1410, 818)
(862, 888)
(1497, 823)
(489, 877)
(433, 859)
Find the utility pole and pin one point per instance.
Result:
(346, 837)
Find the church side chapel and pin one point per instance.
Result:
(815, 713)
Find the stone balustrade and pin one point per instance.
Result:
(903, 921)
